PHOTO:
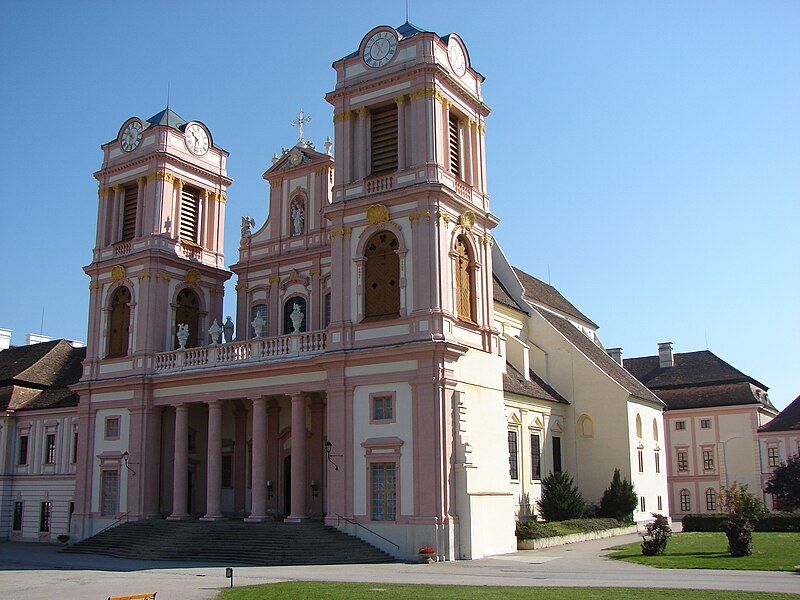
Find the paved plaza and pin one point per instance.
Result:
(39, 572)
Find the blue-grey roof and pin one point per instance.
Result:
(169, 118)
(406, 30)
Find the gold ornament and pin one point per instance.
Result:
(467, 220)
(377, 213)
(192, 276)
(117, 273)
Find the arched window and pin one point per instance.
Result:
(119, 323)
(381, 277)
(259, 310)
(297, 217)
(289, 314)
(585, 426)
(638, 426)
(711, 499)
(188, 312)
(655, 429)
(686, 500)
(465, 281)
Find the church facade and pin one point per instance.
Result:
(387, 369)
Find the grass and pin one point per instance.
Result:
(771, 552)
(357, 591)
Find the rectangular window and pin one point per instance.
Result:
(773, 456)
(679, 425)
(641, 461)
(130, 200)
(23, 450)
(711, 500)
(708, 460)
(513, 456)
(658, 462)
(536, 457)
(659, 503)
(50, 449)
(112, 428)
(109, 487)
(686, 504)
(74, 447)
(384, 504)
(705, 423)
(383, 134)
(227, 471)
(190, 213)
(454, 145)
(683, 463)
(44, 516)
(17, 525)
(642, 505)
(382, 408)
(556, 454)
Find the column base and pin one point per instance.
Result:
(179, 518)
(293, 519)
(257, 519)
(213, 518)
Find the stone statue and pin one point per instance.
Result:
(258, 326)
(247, 224)
(183, 335)
(214, 332)
(328, 145)
(168, 226)
(297, 317)
(298, 218)
(227, 330)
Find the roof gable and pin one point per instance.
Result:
(308, 156)
(787, 420)
(539, 292)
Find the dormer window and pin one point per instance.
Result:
(454, 145)
(383, 135)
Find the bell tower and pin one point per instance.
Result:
(410, 221)
(158, 256)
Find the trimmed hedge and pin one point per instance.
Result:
(785, 523)
(534, 530)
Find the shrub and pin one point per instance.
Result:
(560, 500)
(740, 504)
(784, 483)
(532, 530)
(657, 535)
(619, 500)
(740, 537)
(786, 522)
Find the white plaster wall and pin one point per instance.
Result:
(101, 446)
(649, 484)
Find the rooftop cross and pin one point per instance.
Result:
(299, 122)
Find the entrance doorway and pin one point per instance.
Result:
(287, 485)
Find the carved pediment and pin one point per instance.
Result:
(292, 278)
(301, 155)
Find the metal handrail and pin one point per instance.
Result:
(114, 524)
(356, 523)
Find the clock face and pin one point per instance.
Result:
(455, 53)
(131, 136)
(380, 48)
(196, 139)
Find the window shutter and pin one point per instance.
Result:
(455, 149)
(383, 133)
(129, 212)
(382, 277)
(190, 204)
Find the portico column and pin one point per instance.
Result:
(258, 508)
(214, 462)
(180, 469)
(298, 512)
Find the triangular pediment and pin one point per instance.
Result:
(300, 156)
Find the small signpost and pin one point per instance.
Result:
(229, 574)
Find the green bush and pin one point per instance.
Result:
(619, 500)
(533, 530)
(657, 535)
(560, 500)
(713, 522)
(740, 537)
(784, 483)
(740, 504)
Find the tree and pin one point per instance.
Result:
(784, 483)
(657, 535)
(619, 500)
(743, 508)
(560, 500)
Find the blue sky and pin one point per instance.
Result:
(642, 156)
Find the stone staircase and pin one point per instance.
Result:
(231, 542)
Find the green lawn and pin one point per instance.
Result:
(771, 552)
(357, 591)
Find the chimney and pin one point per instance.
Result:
(616, 354)
(36, 338)
(665, 355)
(5, 339)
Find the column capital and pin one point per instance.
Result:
(362, 111)
(214, 403)
(401, 100)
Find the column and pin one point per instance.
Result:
(299, 487)
(202, 218)
(401, 132)
(258, 488)
(180, 469)
(115, 226)
(142, 181)
(240, 459)
(362, 159)
(273, 453)
(214, 462)
(177, 187)
(466, 144)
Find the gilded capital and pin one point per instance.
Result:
(362, 111)
(341, 116)
(401, 100)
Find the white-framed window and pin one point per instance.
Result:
(680, 425)
(22, 458)
(45, 514)
(641, 461)
(642, 504)
(705, 423)
(711, 500)
(686, 500)
(773, 456)
(683, 460)
(111, 431)
(708, 459)
(50, 449)
(383, 485)
(536, 457)
(513, 455)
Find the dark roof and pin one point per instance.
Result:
(407, 30)
(540, 292)
(169, 118)
(726, 394)
(515, 383)
(599, 357)
(689, 368)
(787, 420)
(37, 376)
(503, 297)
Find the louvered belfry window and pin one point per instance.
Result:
(383, 133)
(130, 201)
(190, 209)
(455, 146)
(464, 281)
(119, 323)
(381, 277)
